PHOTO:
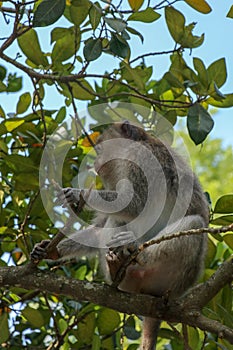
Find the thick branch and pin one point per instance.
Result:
(186, 309)
(212, 326)
(201, 294)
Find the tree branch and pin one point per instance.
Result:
(75, 77)
(186, 310)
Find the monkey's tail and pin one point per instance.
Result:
(149, 333)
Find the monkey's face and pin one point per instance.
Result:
(104, 148)
(105, 164)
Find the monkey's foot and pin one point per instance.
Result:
(117, 258)
(113, 264)
(39, 251)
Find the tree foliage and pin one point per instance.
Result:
(83, 36)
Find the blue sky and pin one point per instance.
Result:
(218, 43)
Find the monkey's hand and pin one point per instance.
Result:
(122, 239)
(69, 196)
(41, 252)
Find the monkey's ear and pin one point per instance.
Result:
(126, 129)
(132, 131)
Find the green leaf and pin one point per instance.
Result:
(224, 205)
(19, 163)
(193, 337)
(181, 34)
(8, 247)
(92, 49)
(67, 44)
(86, 328)
(199, 123)
(173, 81)
(80, 273)
(3, 87)
(13, 124)
(2, 113)
(62, 324)
(115, 23)
(202, 71)
(189, 40)
(29, 44)
(230, 12)
(119, 46)
(23, 103)
(223, 220)
(3, 147)
(14, 83)
(146, 16)
(135, 4)
(61, 115)
(132, 76)
(135, 32)
(48, 12)
(224, 103)
(59, 33)
(199, 5)
(2, 73)
(217, 72)
(175, 23)
(33, 316)
(107, 321)
(4, 334)
(79, 11)
(82, 90)
(211, 252)
(228, 239)
(95, 15)
(31, 184)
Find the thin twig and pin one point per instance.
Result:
(26, 217)
(155, 54)
(77, 117)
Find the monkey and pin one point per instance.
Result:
(149, 191)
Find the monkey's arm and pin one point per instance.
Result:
(72, 195)
(80, 243)
(125, 200)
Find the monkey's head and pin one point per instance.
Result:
(124, 130)
(110, 148)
